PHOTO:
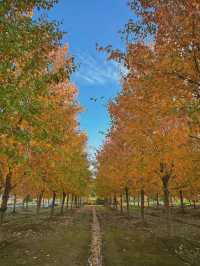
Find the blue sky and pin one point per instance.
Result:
(88, 22)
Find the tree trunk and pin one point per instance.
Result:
(75, 201)
(67, 205)
(115, 201)
(172, 201)
(190, 202)
(148, 202)
(109, 202)
(26, 204)
(27, 199)
(72, 200)
(53, 203)
(39, 201)
(79, 205)
(79, 202)
(127, 200)
(121, 203)
(23, 203)
(157, 200)
(63, 202)
(43, 203)
(134, 201)
(165, 181)
(194, 204)
(138, 200)
(14, 203)
(5, 196)
(142, 204)
(181, 200)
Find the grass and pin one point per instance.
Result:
(128, 242)
(27, 239)
(30, 240)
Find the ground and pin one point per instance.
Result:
(66, 240)
(63, 240)
(129, 242)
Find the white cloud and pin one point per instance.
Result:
(97, 70)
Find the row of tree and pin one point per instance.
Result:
(42, 150)
(153, 146)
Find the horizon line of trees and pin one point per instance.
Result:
(42, 150)
(153, 145)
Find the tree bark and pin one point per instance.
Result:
(157, 200)
(127, 200)
(27, 199)
(142, 204)
(23, 203)
(165, 181)
(172, 201)
(43, 203)
(14, 203)
(79, 202)
(67, 204)
(134, 201)
(72, 200)
(121, 203)
(39, 201)
(75, 201)
(53, 203)
(5, 196)
(148, 201)
(63, 202)
(181, 200)
(138, 200)
(110, 202)
(115, 201)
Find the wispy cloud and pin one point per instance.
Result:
(95, 70)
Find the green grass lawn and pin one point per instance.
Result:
(128, 242)
(30, 240)
(27, 239)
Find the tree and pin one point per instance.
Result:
(150, 116)
(35, 88)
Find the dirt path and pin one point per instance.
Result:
(96, 245)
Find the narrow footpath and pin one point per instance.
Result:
(96, 244)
